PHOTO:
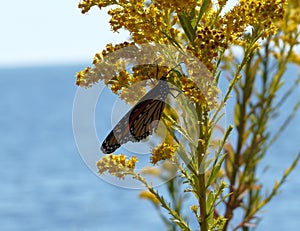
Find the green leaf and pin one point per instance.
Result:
(229, 160)
(202, 11)
(209, 207)
(215, 171)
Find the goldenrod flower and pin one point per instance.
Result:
(290, 25)
(207, 45)
(81, 77)
(133, 93)
(190, 89)
(116, 165)
(145, 24)
(260, 14)
(163, 152)
(177, 6)
(204, 92)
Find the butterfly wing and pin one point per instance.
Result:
(118, 136)
(140, 121)
(145, 118)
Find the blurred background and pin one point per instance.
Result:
(45, 185)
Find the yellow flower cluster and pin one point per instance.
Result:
(81, 79)
(207, 45)
(110, 49)
(86, 5)
(259, 14)
(144, 24)
(119, 81)
(110, 68)
(136, 83)
(290, 25)
(116, 165)
(147, 71)
(133, 93)
(178, 6)
(164, 151)
(192, 91)
(115, 59)
(133, 87)
(103, 71)
(222, 3)
(206, 96)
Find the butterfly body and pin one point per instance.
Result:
(140, 121)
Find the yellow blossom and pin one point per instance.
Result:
(178, 6)
(290, 25)
(145, 24)
(133, 93)
(207, 45)
(116, 165)
(153, 21)
(192, 91)
(259, 14)
(222, 3)
(81, 77)
(163, 152)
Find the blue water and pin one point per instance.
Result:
(45, 185)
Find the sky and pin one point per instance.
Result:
(51, 32)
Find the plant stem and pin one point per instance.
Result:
(201, 172)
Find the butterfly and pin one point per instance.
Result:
(140, 121)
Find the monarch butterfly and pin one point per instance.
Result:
(140, 121)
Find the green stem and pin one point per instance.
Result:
(201, 172)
